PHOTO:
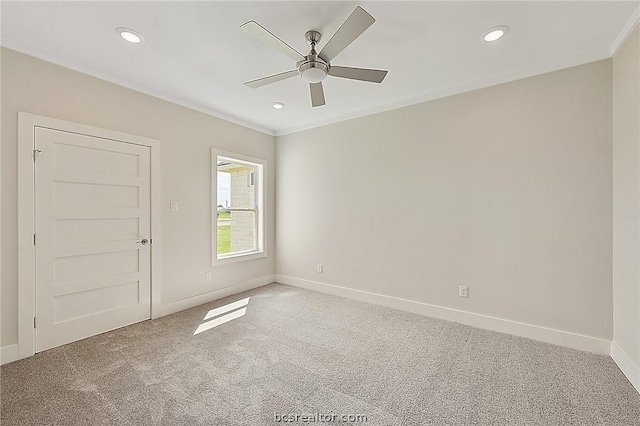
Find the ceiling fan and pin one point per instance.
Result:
(315, 67)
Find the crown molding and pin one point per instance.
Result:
(565, 62)
(81, 68)
(625, 32)
(512, 75)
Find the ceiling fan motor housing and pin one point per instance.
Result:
(313, 68)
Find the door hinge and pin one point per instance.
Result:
(34, 322)
(35, 154)
(34, 239)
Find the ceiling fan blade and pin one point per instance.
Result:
(254, 84)
(271, 39)
(356, 24)
(362, 74)
(317, 94)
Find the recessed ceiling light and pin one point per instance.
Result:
(496, 33)
(278, 105)
(129, 35)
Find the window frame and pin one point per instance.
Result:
(260, 179)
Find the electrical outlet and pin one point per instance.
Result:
(320, 268)
(207, 276)
(173, 206)
(464, 291)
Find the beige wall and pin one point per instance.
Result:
(186, 136)
(626, 198)
(507, 190)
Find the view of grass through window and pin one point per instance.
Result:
(224, 230)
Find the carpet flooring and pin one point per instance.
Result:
(284, 355)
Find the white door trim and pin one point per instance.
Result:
(27, 124)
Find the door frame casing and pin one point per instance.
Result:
(27, 124)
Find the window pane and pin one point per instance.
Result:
(224, 232)
(224, 190)
(236, 231)
(236, 188)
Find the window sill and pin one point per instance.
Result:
(240, 257)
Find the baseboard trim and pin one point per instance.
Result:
(628, 368)
(530, 331)
(201, 299)
(9, 354)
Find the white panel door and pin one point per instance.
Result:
(92, 236)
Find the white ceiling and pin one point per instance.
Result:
(195, 53)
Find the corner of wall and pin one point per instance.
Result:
(628, 368)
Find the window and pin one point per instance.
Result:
(238, 224)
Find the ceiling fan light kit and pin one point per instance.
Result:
(315, 67)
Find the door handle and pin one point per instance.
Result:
(143, 241)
